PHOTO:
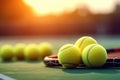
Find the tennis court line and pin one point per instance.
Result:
(4, 77)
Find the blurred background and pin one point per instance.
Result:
(59, 17)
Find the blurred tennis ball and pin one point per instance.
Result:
(45, 49)
(32, 52)
(19, 51)
(69, 56)
(94, 55)
(6, 53)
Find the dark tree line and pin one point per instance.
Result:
(17, 19)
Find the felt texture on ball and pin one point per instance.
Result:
(69, 56)
(19, 51)
(94, 55)
(6, 53)
(45, 49)
(32, 53)
(83, 42)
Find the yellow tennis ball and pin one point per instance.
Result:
(84, 41)
(19, 51)
(32, 53)
(6, 53)
(45, 49)
(69, 56)
(94, 55)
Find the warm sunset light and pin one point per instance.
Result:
(101, 6)
(44, 7)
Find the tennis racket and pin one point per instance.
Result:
(52, 61)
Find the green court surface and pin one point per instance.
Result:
(38, 71)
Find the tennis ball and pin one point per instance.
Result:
(94, 55)
(31, 52)
(45, 49)
(84, 41)
(19, 51)
(69, 56)
(6, 53)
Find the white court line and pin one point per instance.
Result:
(4, 77)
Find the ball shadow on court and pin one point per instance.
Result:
(93, 70)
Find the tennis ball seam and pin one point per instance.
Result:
(65, 48)
(69, 63)
(88, 53)
(82, 41)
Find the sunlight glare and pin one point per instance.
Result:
(44, 7)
